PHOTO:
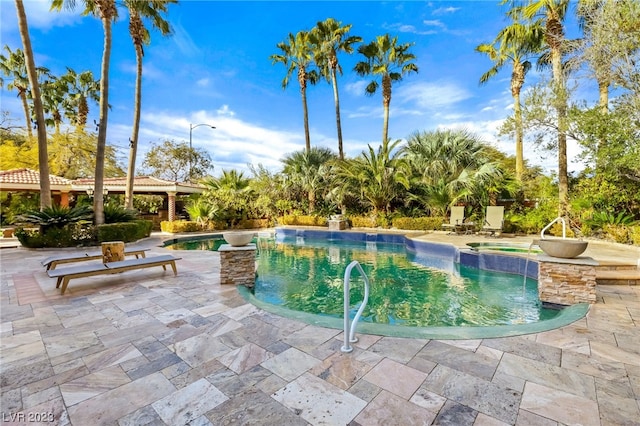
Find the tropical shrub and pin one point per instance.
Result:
(57, 216)
(617, 233)
(115, 213)
(634, 235)
(600, 219)
(200, 211)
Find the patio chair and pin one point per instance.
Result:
(455, 219)
(493, 220)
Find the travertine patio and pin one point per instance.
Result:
(145, 347)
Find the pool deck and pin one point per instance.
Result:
(145, 347)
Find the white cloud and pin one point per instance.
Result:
(445, 10)
(203, 82)
(232, 141)
(434, 23)
(357, 88)
(432, 96)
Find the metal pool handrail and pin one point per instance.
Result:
(349, 333)
(564, 227)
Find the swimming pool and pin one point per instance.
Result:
(307, 276)
(443, 257)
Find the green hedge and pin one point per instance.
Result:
(74, 235)
(125, 231)
(363, 221)
(302, 220)
(180, 226)
(418, 223)
(253, 223)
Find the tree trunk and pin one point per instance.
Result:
(98, 199)
(386, 101)
(25, 107)
(43, 158)
(133, 147)
(305, 112)
(519, 137)
(334, 80)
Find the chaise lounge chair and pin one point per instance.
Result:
(65, 274)
(455, 219)
(493, 220)
(53, 261)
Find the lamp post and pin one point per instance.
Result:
(191, 127)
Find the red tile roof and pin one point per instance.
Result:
(28, 176)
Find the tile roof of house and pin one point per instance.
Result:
(29, 180)
(28, 176)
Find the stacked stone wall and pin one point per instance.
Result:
(566, 283)
(238, 265)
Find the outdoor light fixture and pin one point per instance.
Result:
(90, 191)
(191, 127)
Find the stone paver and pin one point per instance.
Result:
(145, 347)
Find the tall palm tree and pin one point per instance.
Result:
(328, 38)
(390, 61)
(153, 10)
(297, 54)
(107, 12)
(513, 44)
(307, 169)
(43, 158)
(549, 15)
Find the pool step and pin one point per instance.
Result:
(618, 276)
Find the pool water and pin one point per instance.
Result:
(505, 247)
(211, 243)
(307, 276)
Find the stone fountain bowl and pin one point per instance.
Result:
(562, 247)
(238, 239)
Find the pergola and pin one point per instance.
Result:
(27, 180)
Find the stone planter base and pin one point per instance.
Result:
(238, 265)
(567, 281)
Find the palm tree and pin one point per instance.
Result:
(153, 10)
(513, 44)
(297, 54)
(81, 88)
(548, 15)
(308, 170)
(54, 91)
(328, 38)
(380, 177)
(13, 66)
(452, 166)
(107, 12)
(43, 160)
(390, 61)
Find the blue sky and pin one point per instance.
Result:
(215, 69)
